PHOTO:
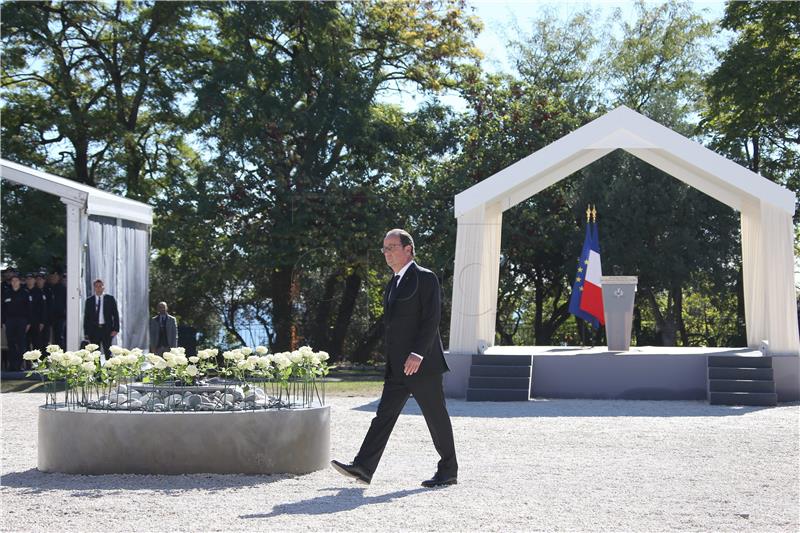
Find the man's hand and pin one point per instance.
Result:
(41, 327)
(27, 328)
(413, 362)
(113, 333)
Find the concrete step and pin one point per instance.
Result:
(511, 371)
(740, 373)
(739, 361)
(743, 398)
(503, 382)
(497, 395)
(740, 385)
(515, 360)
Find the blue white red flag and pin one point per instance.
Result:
(586, 301)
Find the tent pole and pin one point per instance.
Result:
(74, 296)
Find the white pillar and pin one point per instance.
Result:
(475, 279)
(770, 303)
(74, 274)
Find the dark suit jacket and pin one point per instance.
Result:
(172, 331)
(110, 314)
(411, 320)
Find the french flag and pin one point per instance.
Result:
(586, 301)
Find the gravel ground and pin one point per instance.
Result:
(544, 465)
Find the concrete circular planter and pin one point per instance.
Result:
(272, 441)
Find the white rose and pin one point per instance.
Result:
(296, 356)
(212, 352)
(91, 347)
(137, 352)
(130, 359)
(88, 366)
(32, 355)
(264, 361)
(261, 350)
(192, 370)
(53, 348)
(193, 359)
(96, 355)
(74, 359)
(246, 350)
(117, 350)
(323, 356)
(160, 364)
(178, 350)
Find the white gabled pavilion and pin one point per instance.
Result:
(766, 211)
(108, 237)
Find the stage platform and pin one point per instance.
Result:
(642, 373)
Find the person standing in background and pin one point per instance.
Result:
(47, 312)
(163, 331)
(38, 310)
(58, 309)
(16, 312)
(101, 318)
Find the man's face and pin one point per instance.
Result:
(30, 282)
(395, 254)
(98, 288)
(52, 279)
(15, 283)
(162, 309)
(40, 282)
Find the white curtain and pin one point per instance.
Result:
(475, 279)
(118, 252)
(768, 265)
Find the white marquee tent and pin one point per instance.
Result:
(766, 224)
(108, 237)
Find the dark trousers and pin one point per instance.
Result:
(428, 393)
(101, 336)
(17, 341)
(60, 332)
(35, 337)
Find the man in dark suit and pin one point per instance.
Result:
(163, 331)
(414, 364)
(57, 293)
(101, 318)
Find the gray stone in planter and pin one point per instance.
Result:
(134, 394)
(133, 404)
(119, 399)
(274, 441)
(194, 401)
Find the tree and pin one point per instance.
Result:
(753, 96)
(288, 107)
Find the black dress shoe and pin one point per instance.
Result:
(352, 470)
(439, 480)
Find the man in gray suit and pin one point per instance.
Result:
(163, 331)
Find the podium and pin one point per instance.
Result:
(618, 295)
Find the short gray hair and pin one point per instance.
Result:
(405, 238)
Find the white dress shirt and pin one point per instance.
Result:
(399, 277)
(100, 319)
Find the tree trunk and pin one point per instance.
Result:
(367, 345)
(352, 286)
(677, 309)
(281, 282)
(319, 335)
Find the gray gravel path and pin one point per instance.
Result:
(544, 465)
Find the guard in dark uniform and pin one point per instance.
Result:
(58, 316)
(17, 318)
(37, 312)
(47, 312)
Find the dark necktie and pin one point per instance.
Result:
(393, 287)
(97, 309)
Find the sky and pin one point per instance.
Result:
(501, 16)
